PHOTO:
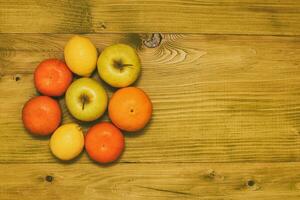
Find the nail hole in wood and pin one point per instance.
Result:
(153, 40)
(250, 183)
(49, 178)
(17, 78)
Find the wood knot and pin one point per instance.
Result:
(153, 40)
(103, 26)
(49, 178)
(213, 175)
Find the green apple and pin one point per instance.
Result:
(86, 99)
(119, 65)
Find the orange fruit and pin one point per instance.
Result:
(104, 142)
(41, 115)
(130, 109)
(52, 77)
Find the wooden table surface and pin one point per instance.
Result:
(224, 81)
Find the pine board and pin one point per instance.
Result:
(224, 83)
(255, 17)
(216, 98)
(234, 181)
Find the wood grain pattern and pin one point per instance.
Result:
(268, 17)
(151, 181)
(226, 121)
(216, 98)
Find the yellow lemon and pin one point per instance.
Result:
(81, 55)
(67, 141)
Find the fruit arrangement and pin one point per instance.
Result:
(129, 108)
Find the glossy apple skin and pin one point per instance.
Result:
(119, 76)
(86, 99)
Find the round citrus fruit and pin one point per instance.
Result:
(67, 141)
(81, 55)
(52, 77)
(130, 109)
(41, 115)
(104, 142)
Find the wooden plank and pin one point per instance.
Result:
(151, 181)
(216, 98)
(269, 17)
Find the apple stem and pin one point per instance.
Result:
(84, 100)
(119, 64)
(83, 103)
(126, 65)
